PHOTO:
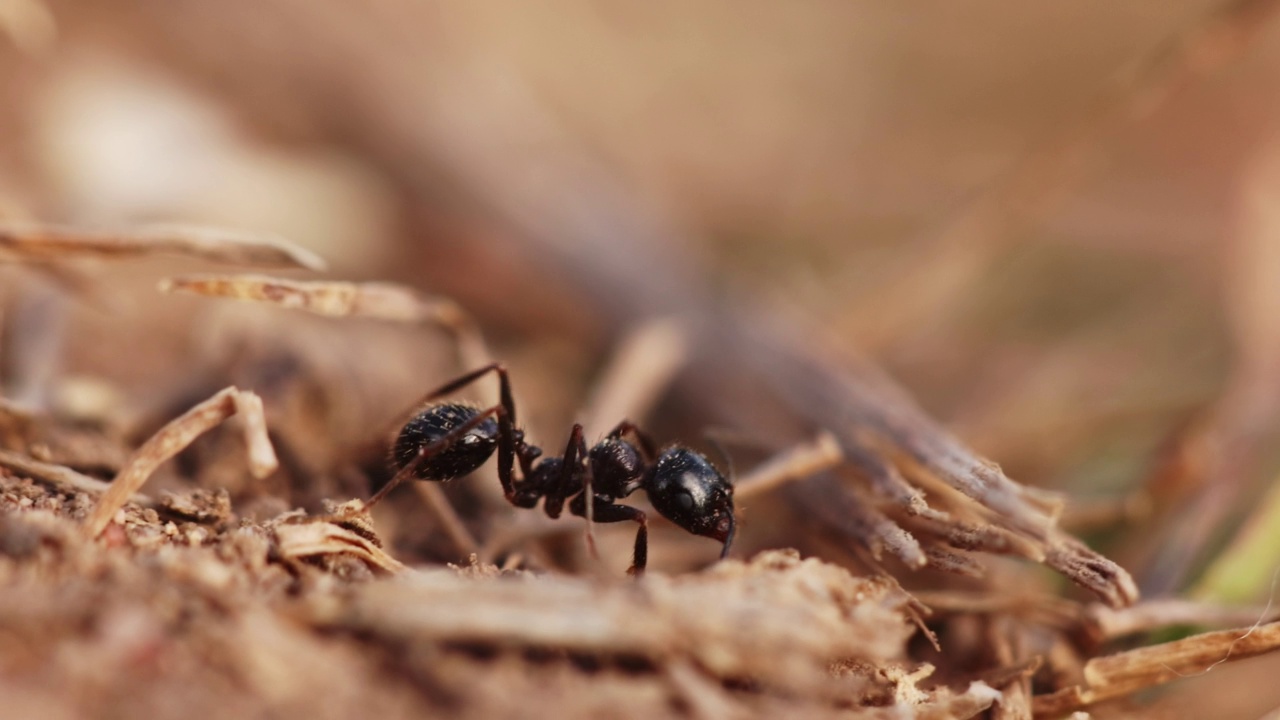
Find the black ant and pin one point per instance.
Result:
(444, 441)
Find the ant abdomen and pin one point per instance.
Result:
(461, 457)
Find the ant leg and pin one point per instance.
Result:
(572, 468)
(426, 451)
(504, 385)
(724, 455)
(588, 490)
(728, 538)
(607, 512)
(647, 445)
(564, 486)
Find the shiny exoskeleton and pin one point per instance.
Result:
(448, 440)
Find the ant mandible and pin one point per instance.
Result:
(448, 440)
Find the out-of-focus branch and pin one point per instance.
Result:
(1238, 430)
(961, 247)
(48, 242)
(381, 301)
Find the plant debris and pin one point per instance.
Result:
(382, 301)
(1112, 676)
(177, 435)
(251, 596)
(51, 243)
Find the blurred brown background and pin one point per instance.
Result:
(1056, 224)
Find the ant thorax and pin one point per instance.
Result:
(616, 468)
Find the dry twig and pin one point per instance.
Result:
(1091, 571)
(381, 301)
(1104, 623)
(1124, 673)
(176, 436)
(1015, 703)
(432, 494)
(63, 477)
(48, 242)
(1045, 610)
(639, 372)
(801, 461)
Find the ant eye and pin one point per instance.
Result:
(684, 500)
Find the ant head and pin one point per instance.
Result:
(688, 490)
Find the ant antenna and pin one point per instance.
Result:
(723, 453)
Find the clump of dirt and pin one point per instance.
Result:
(185, 609)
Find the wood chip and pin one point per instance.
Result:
(320, 537)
